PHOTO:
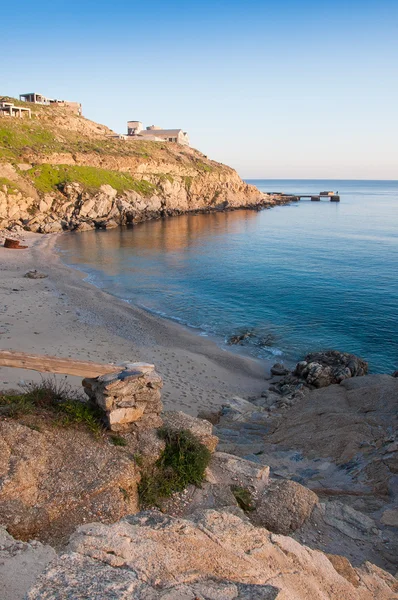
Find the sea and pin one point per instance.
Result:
(290, 280)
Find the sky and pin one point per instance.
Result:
(275, 89)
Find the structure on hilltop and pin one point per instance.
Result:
(36, 98)
(157, 134)
(9, 109)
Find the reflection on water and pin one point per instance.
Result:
(164, 236)
(307, 276)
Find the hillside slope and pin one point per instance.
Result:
(59, 171)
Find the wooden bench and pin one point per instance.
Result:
(53, 364)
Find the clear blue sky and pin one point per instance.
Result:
(287, 88)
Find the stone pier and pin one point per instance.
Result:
(130, 398)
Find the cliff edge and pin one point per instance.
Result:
(60, 171)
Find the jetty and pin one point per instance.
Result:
(332, 196)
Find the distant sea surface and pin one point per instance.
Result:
(299, 278)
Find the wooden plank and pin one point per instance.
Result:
(53, 364)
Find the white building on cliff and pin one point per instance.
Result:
(157, 134)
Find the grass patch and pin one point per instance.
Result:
(12, 187)
(183, 462)
(118, 440)
(165, 177)
(57, 400)
(188, 182)
(19, 135)
(243, 498)
(47, 178)
(201, 166)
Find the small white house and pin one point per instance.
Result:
(157, 134)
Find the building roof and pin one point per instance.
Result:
(170, 132)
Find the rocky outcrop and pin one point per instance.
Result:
(71, 207)
(85, 180)
(213, 555)
(321, 369)
(341, 442)
(202, 430)
(56, 478)
(317, 370)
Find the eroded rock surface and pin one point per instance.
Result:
(341, 442)
(55, 479)
(213, 555)
(20, 565)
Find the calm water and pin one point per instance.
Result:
(303, 277)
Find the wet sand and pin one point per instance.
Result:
(65, 316)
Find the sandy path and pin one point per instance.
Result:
(65, 316)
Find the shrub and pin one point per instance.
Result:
(243, 498)
(183, 462)
(56, 398)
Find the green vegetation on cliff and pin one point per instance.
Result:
(11, 186)
(183, 462)
(47, 178)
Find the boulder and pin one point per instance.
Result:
(278, 370)
(239, 338)
(321, 369)
(352, 523)
(390, 517)
(284, 506)
(53, 227)
(230, 470)
(202, 430)
(57, 478)
(84, 226)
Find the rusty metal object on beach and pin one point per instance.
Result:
(13, 244)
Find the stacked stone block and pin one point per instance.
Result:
(130, 398)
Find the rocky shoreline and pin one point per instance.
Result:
(80, 177)
(298, 501)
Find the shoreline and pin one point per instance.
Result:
(64, 315)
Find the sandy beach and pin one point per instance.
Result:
(62, 315)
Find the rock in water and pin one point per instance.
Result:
(239, 338)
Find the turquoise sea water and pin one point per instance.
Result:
(303, 277)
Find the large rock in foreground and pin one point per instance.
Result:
(284, 506)
(55, 479)
(213, 556)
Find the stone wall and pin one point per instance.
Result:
(130, 399)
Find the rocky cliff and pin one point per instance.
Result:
(60, 171)
(248, 531)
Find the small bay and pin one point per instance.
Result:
(299, 278)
